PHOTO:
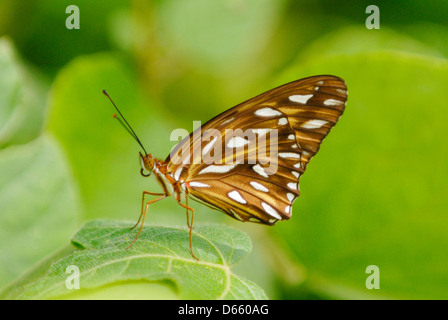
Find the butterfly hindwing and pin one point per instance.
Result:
(244, 182)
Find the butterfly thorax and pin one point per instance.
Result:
(166, 181)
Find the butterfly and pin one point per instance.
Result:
(247, 179)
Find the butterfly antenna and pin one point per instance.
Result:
(124, 123)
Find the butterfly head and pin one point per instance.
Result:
(147, 161)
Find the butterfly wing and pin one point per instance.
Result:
(229, 173)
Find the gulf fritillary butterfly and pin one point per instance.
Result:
(301, 113)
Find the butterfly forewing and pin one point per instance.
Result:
(253, 181)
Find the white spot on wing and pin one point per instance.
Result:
(296, 174)
(198, 184)
(292, 137)
(227, 121)
(209, 146)
(314, 124)
(332, 102)
(177, 173)
(237, 142)
(186, 160)
(267, 112)
(218, 169)
(282, 121)
(291, 197)
(235, 195)
(292, 185)
(289, 155)
(261, 132)
(288, 209)
(271, 211)
(259, 186)
(300, 98)
(259, 169)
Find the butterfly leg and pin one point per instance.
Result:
(143, 215)
(191, 229)
(188, 208)
(143, 203)
(190, 225)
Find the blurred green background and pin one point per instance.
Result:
(376, 194)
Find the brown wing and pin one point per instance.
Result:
(253, 181)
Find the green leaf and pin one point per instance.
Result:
(55, 45)
(22, 98)
(38, 205)
(208, 33)
(161, 256)
(376, 192)
(355, 39)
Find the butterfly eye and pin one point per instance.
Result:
(147, 162)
